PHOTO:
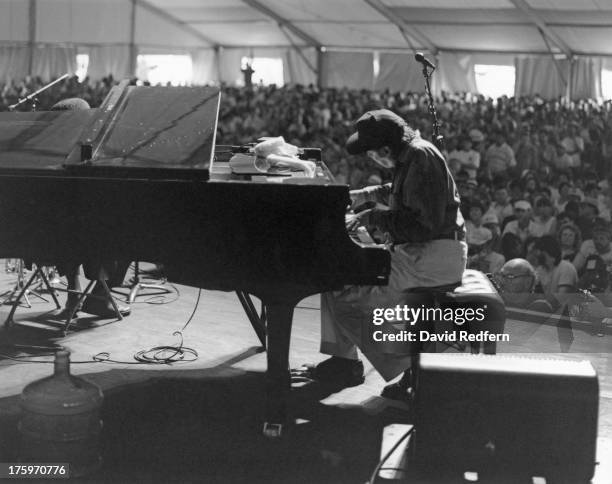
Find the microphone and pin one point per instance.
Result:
(421, 58)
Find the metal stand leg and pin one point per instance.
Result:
(73, 309)
(51, 290)
(112, 300)
(24, 294)
(8, 323)
(137, 286)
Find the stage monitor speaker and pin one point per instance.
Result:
(506, 415)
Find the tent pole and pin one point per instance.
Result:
(133, 56)
(218, 62)
(570, 79)
(31, 34)
(319, 67)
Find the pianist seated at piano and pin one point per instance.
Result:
(113, 271)
(419, 215)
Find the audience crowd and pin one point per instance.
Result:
(534, 175)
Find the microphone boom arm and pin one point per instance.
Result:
(34, 94)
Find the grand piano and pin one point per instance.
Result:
(135, 180)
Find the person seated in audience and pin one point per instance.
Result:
(572, 209)
(558, 277)
(499, 157)
(490, 221)
(587, 216)
(515, 190)
(563, 159)
(530, 187)
(530, 252)
(501, 206)
(523, 227)
(478, 140)
(543, 221)
(573, 144)
(600, 244)
(563, 219)
(570, 240)
(465, 185)
(525, 152)
(517, 282)
(482, 256)
(475, 231)
(469, 158)
(592, 192)
(547, 150)
(512, 247)
(564, 190)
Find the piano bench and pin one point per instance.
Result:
(477, 293)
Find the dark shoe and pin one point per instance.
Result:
(64, 313)
(156, 272)
(103, 309)
(335, 371)
(400, 390)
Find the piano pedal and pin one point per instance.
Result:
(272, 430)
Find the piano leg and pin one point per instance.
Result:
(278, 380)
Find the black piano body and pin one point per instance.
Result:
(131, 180)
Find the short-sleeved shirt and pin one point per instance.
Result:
(562, 275)
(588, 248)
(470, 160)
(522, 233)
(541, 228)
(499, 158)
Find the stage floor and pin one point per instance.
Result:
(199, 421)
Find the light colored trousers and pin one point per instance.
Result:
(346, 315)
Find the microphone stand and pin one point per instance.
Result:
(437, 138)
(32, 97)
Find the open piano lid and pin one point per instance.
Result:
(150, 132)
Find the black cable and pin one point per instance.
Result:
(382, 461)
(159, 354)
(194, 310)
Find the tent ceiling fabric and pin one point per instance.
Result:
(486, 26)
(511, 26)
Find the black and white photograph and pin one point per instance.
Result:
(306, 241)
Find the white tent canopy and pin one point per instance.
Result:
(317, 39)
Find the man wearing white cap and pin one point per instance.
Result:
(482, 256)
(523, 227)
(426, 237)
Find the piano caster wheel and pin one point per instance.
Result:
(272, 430)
